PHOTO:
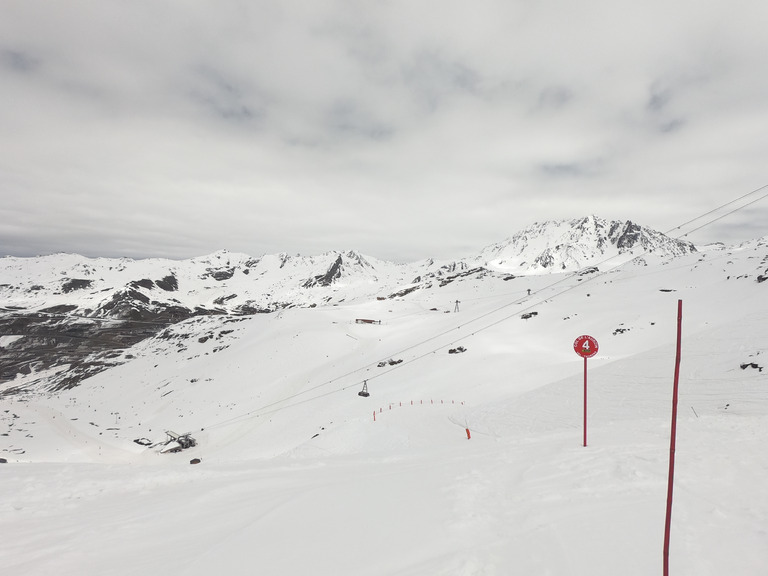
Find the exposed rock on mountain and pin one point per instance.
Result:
(75, 284)
(570, 245)
(74, 315)
(333, 273)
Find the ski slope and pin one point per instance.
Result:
(296, 476)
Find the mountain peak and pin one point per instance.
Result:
(569, 245)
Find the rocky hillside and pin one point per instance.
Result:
(568, 245)
(66, 317)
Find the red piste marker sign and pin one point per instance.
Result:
(586, 347)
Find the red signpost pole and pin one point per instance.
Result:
(586, 347)
(673, 435)
(585, 401)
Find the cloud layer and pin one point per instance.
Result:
(400, 129)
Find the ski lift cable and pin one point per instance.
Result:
(272, 408)
(567, 277)
(679, 227)
(274, 405)
(682, 235)
(756, 190)
(727, 214)
(589, 279)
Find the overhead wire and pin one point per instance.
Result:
(598, 274)
(570, 276)
(727, 214)
(679, 227)
(748, 194)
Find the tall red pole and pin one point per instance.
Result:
(585, 401)
(673, 435)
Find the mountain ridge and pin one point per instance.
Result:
(84, 313)
(569, 245)
(548, 247)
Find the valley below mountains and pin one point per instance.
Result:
(211, 415)
(67, 317)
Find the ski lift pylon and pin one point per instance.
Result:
(364, 391)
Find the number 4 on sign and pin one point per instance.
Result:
(586, 347)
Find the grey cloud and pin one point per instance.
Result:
(571, 169)
(18, 61)
(554, 97)
(658, 99)
(433, 78)
(663, 106)
(672, 125)
(346, 117)
(559, 170)
(454, 123)
(223, 97)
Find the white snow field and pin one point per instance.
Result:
(297, 478)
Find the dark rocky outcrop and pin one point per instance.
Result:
(168, 283)
(144, 283)
(86, 343)
(753, 365)
(60, 309)
(333, 273)
(251, 308)
(75, 284)
(219, 274)
(50, 340)
(223, 299)
(627, 237)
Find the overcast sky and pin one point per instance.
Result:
(402, 129)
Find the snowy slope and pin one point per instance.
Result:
(238, 283)
(221, 281)
(297, 477)
(50, 303)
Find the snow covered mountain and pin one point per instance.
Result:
(83, 312)
(108, 365)
(222, 282)
(568, 245)
(232, 283)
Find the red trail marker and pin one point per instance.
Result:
(672, 441)
(586, 347)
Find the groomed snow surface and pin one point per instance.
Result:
(297, 478)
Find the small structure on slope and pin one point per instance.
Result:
(178, 442)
